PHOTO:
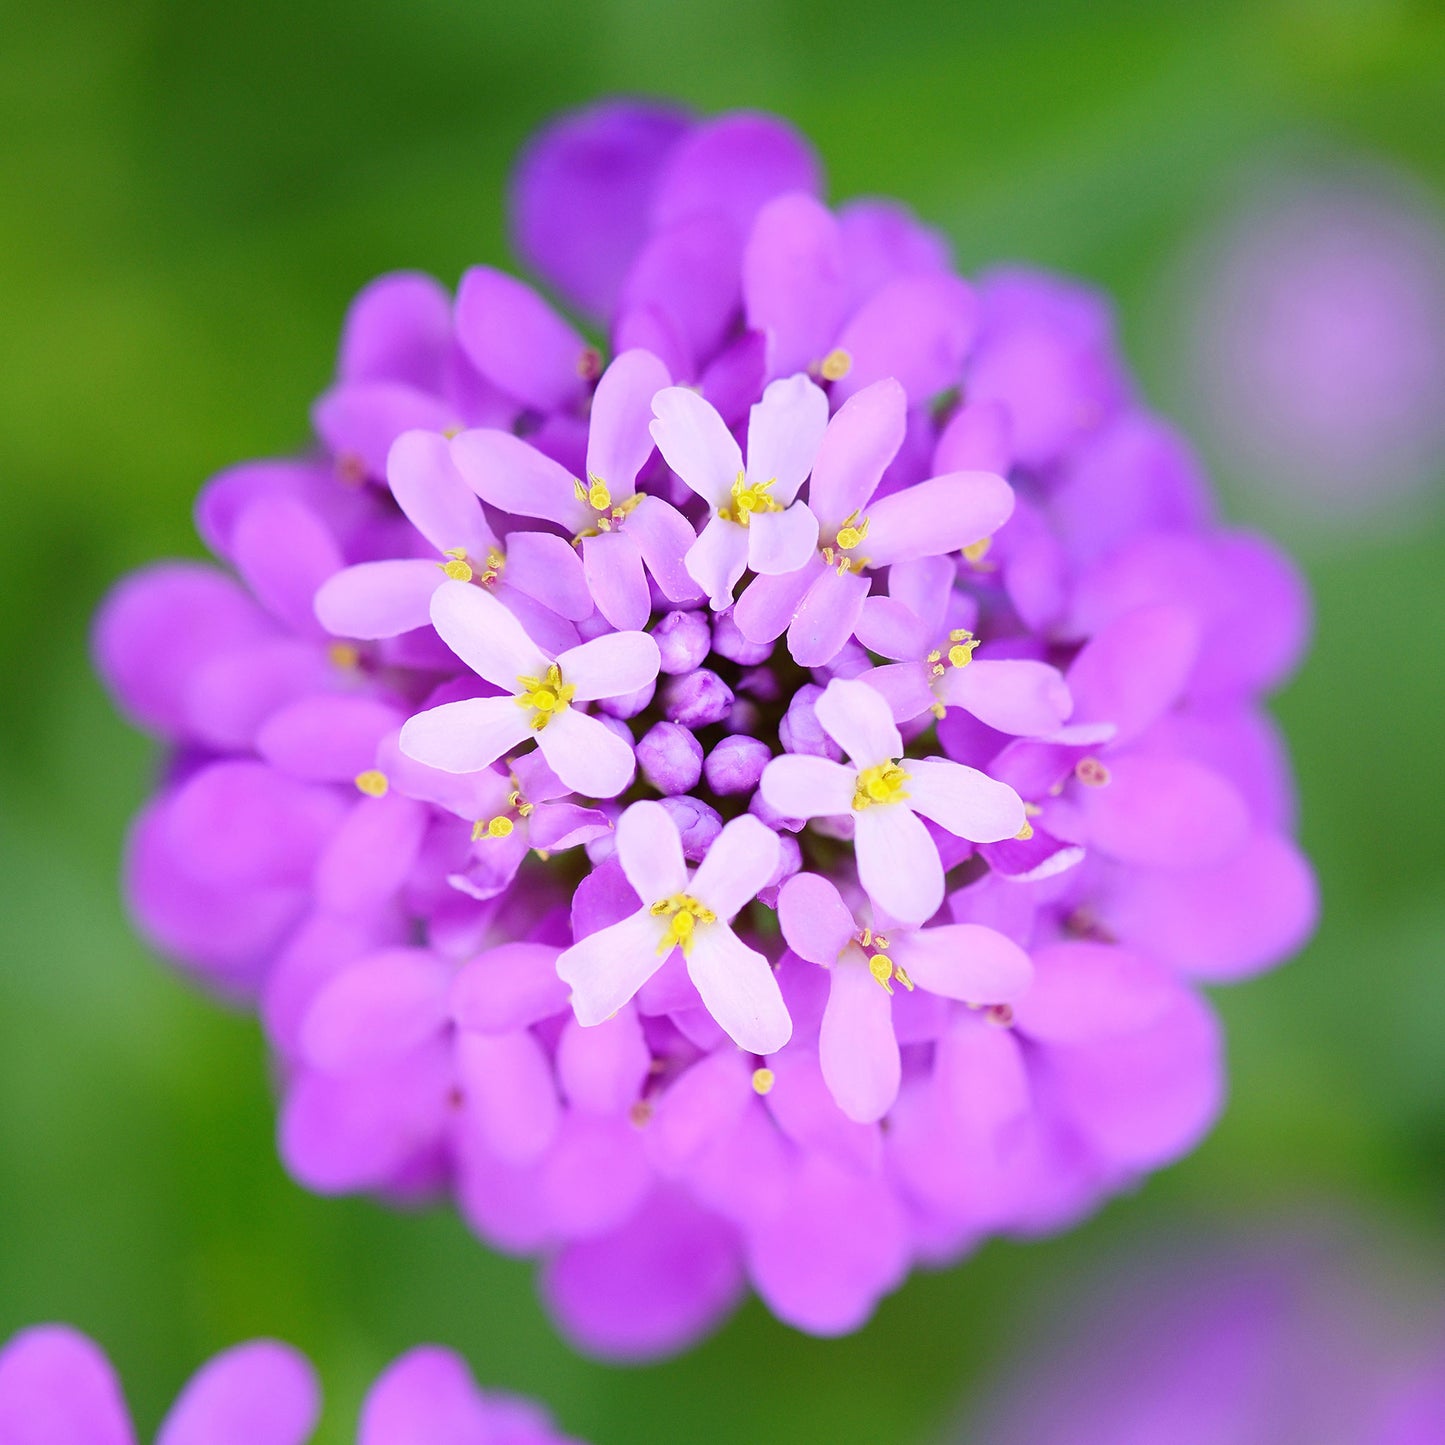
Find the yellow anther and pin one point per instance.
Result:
(373, 782)
(345, 655)
(1032, 810)
(975, 552)
(496, 562)
(882, 783)
(747, 499)
(499, 827)
(546, 696)
(902, 978)
(763, 1081)
(1025, 833)
(598, 494)
(453, 431)
(458, 569)
(852, 532)
(881, 967)
(686, 913)
(836, 365)
(1091, 773)
(519, 804)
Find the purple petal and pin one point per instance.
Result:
(862, 438)
(769, 604)
(664, 536)
(546, 568)
(515, 477)
(378, 599)
(602, 163)
(603, 1069)
(826, 618)
(612, 563)
(328, 739)
(797, 786)
(1084, 991)
(965, 961)
(467, 736)
(944, 514)
(261, 1393)
(977, 439)
(794, 286)
(230, 696)
(605, 969)
(358, 421)
(784, 431)
(586, 754)
(858, 720)
(1013, 696)
(890, 628)
(815, 921)
(968, 803)
(741, 860)
(510, 1098)
(284, 553)
(696, 444)
(856, 1047)
(485, 635)
(508, 987)
(718, 559)
(376, 1008)
(437, 502)
(649, 849)
(618, 440)
(518, 342)
(594, 1175)
(398, 328)
(782, 543)
(883, 239)
(906, 686)
(371, 853)
(57, 1388)
(427, 1395)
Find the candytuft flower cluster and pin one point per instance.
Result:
(752, 801)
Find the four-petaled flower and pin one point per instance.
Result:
(692, 913)
(466, 736)
(885, 792)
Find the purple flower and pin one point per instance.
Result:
(960, 799)
(57, 1388)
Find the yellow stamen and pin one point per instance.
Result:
(546, 696)
(1025, 833)
(499, 827)
(1091, 773)
(902, 978)
(686, 913)
(852, 532)
(496, 561)
(596, 493)
(881, 967)
(960, 654)
(882, 783)
(836, 365)
(749, 498)
(345, 655)
(458, 569)
(975, 552)
(519, 804)
(373, 782)
(763, 1081)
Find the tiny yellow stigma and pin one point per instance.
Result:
(373, 782)
(345, 655)
(596, 493)
(852, 532)
(882, 783)
(686, 913)
(546, 696)
(1091, 773)
(749, 498)
(499, 827)
(836, 365)
(763, 1081)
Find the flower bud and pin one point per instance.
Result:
(801, 732)
(735, 764)
(683, 639)
(628, 706)
(696, 700)
(728, 642)
(696, 821)
(670, 758)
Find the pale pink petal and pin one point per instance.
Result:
(968, 803)
(807, 787)
(664, 536)
(607, 968)
(437, 502)
(893, 629)
(743, 857)
(815, 921)
(612, 565)
(782, 542)
(618, 438)
(925, 586)
(857, 1050)
(863, 437)
(545, 567)
(718, 559)
(768, 604)
(696, 444)
(466, 736)
(612, 665)
(739, 989)
(905, 686)
(826, 617)
(649, 848)
(943, 514)
(858, 719)
(785, 430)
(378, 599)
(485, 635)
(965, 961)
(1012, 695)
(587, 755)
(514, 477)
(898, 864)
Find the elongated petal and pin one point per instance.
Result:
(587, 755)
(943, 514)
(509, 1093)
(743, 857)
(368, 857)
(664, 537)
(327, 739)
(826, 617)
(718, 559)
(359, 420)
(649, 849)
(376, 1008)
(607, 968)
(508, 987)
(898, 864)
(816, 923)
(612, 564)
(259, 1393)
(602, 1069)
(768, 604)
(378, 599)
(612, 665)
(862, 438)
(858, 719)
(696, 444)
(794, 286)
(57, 1388)
(426, 1395)
(782, 542)
(965, 961)
(906, 686)
(485, 635)
(398, 328)
(285, 552)
(437, 502)
(1014, 696)
(892, 629)
(517, 341)
(785, 430)
(466, 736)
(970, 804)
(925, 585)
(515, 477)
(618, 439)
(857, 1049)
(546, 568)
(739, 989)
(808, 787)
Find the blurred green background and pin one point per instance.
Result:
(192, 193)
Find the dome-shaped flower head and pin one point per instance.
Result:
(887, 796)
(691, 913)
(544, 694)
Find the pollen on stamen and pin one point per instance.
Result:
(499, 827)
(1091, 773)
(1025, 833)
(836, 365)
(975, 552)
(763, 1081)
(345, 655)
(881, 967)
(373, 782)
